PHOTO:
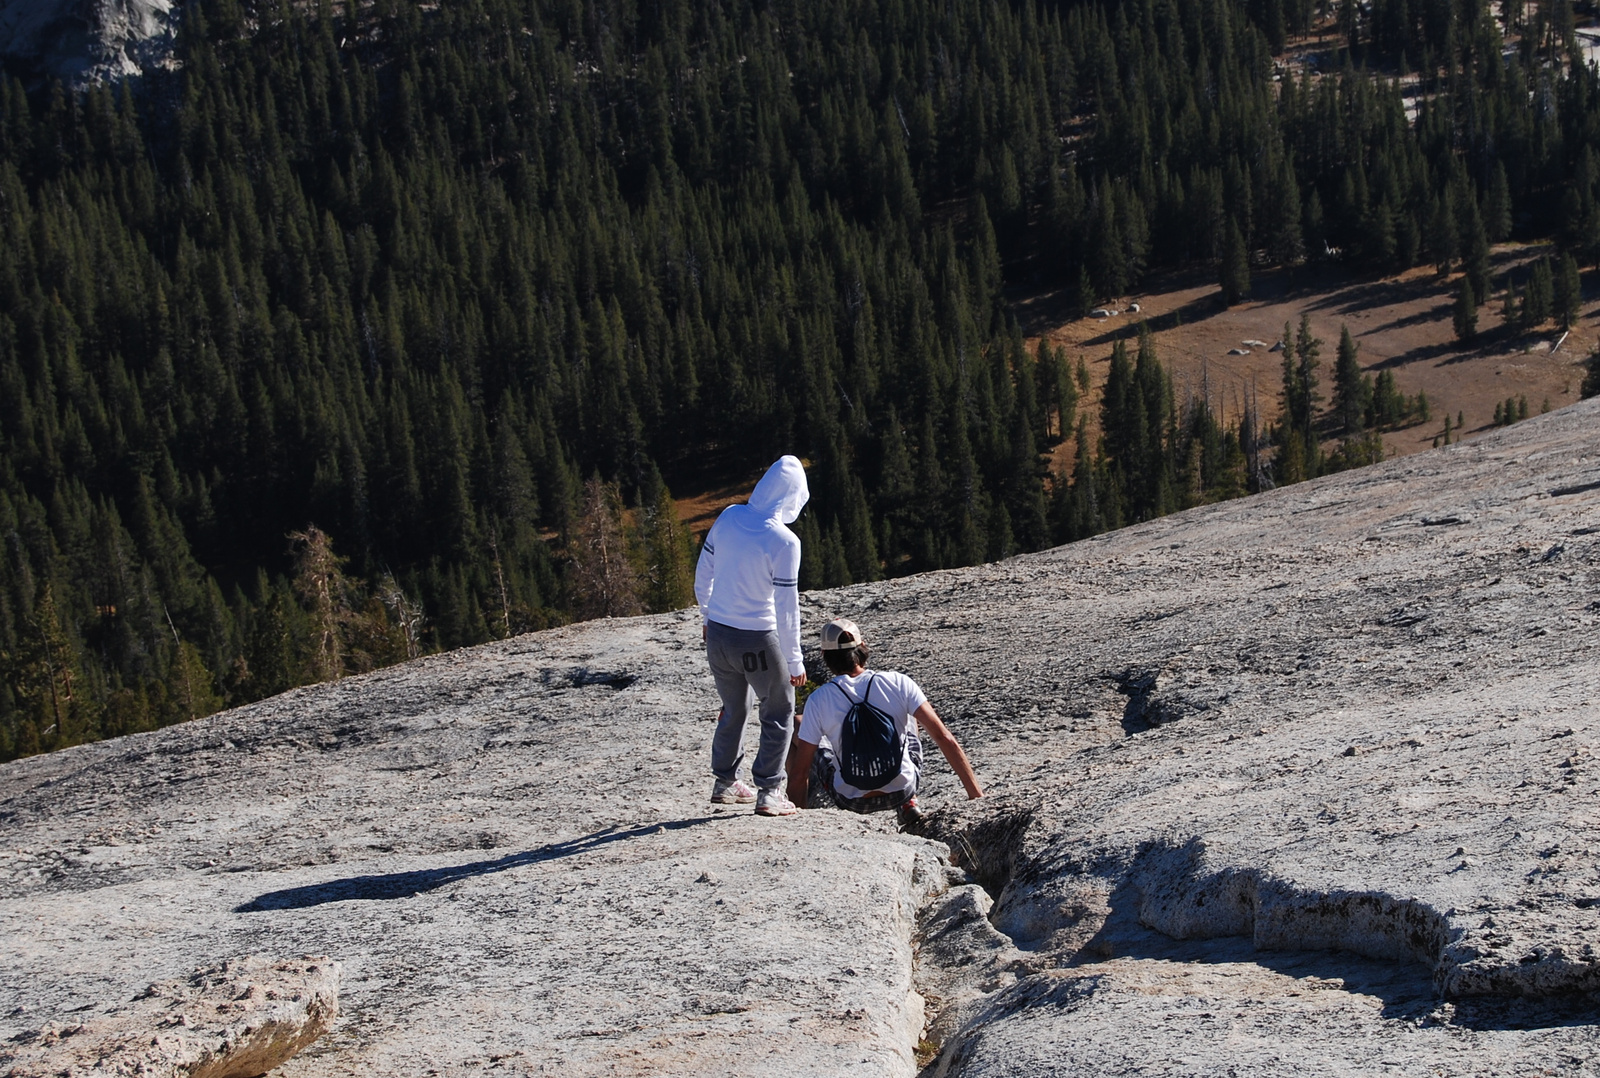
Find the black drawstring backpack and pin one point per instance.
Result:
(871, 749)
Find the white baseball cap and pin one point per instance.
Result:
(841, 634)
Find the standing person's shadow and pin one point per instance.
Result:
(406, 884)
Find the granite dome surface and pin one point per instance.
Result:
(1302, 780)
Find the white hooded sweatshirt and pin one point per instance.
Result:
(749, 571)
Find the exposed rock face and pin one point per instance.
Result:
(236, 1020)
(1303, 782)
(510, 850)
(87, 40)
(1351, 718)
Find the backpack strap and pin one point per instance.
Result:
(866, 697)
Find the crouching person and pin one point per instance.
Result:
(858, 744)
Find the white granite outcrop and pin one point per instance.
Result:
(83, 41)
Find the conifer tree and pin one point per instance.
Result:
(46, 681)
(191, 688)
(320, 582)
(1082, 516)
(1539, 298)
(1568, 292)
(669, 573)
(1299, 449)
(860, 545)
(834, 569)
(1476, 245)
(1497, 206)
(405, 613)
(1466, 311)
(1510, 305)
(1591, 378)
(1352, 393)
(1235, 266)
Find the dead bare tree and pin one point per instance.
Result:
(320, 582)
(407, 613)
(500, 578)
(604, 584)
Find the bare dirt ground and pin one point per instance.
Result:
(699, 511)
(1402, 324)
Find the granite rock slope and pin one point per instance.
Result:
(510, 851)
(1305, 780)
(1354, 718)
(83, 41)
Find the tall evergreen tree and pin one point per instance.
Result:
(1352, 393)
(1466, 311)
(1235, 266)
(1568, 300)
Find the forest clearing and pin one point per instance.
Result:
(1401, 323)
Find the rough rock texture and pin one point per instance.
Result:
(83, 41)
(510, 850)
(1302, 782)
(235, 1020)
(1351, 718)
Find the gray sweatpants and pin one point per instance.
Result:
(748, 665)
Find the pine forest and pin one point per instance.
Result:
(380, 328)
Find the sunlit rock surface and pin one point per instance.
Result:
(82, 41)
(1303, 781)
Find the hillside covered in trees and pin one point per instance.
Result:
(383, 327)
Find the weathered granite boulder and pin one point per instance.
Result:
(1300, 782)
(236, 1020)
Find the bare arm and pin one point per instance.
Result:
(800, 756)
(949, 746)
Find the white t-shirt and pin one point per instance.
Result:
(893, 693)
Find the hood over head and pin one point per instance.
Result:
(782, 492)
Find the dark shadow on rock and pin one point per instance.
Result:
(1500, 1012)
(1136, 685)
(985, 837)
(581, 677)
(1405, 987)
(1146, 709)
(391, 885)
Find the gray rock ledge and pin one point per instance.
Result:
(236, 1020)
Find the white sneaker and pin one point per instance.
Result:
(736, 792)
(774, 803)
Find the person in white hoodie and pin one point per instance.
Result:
(747, 583)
